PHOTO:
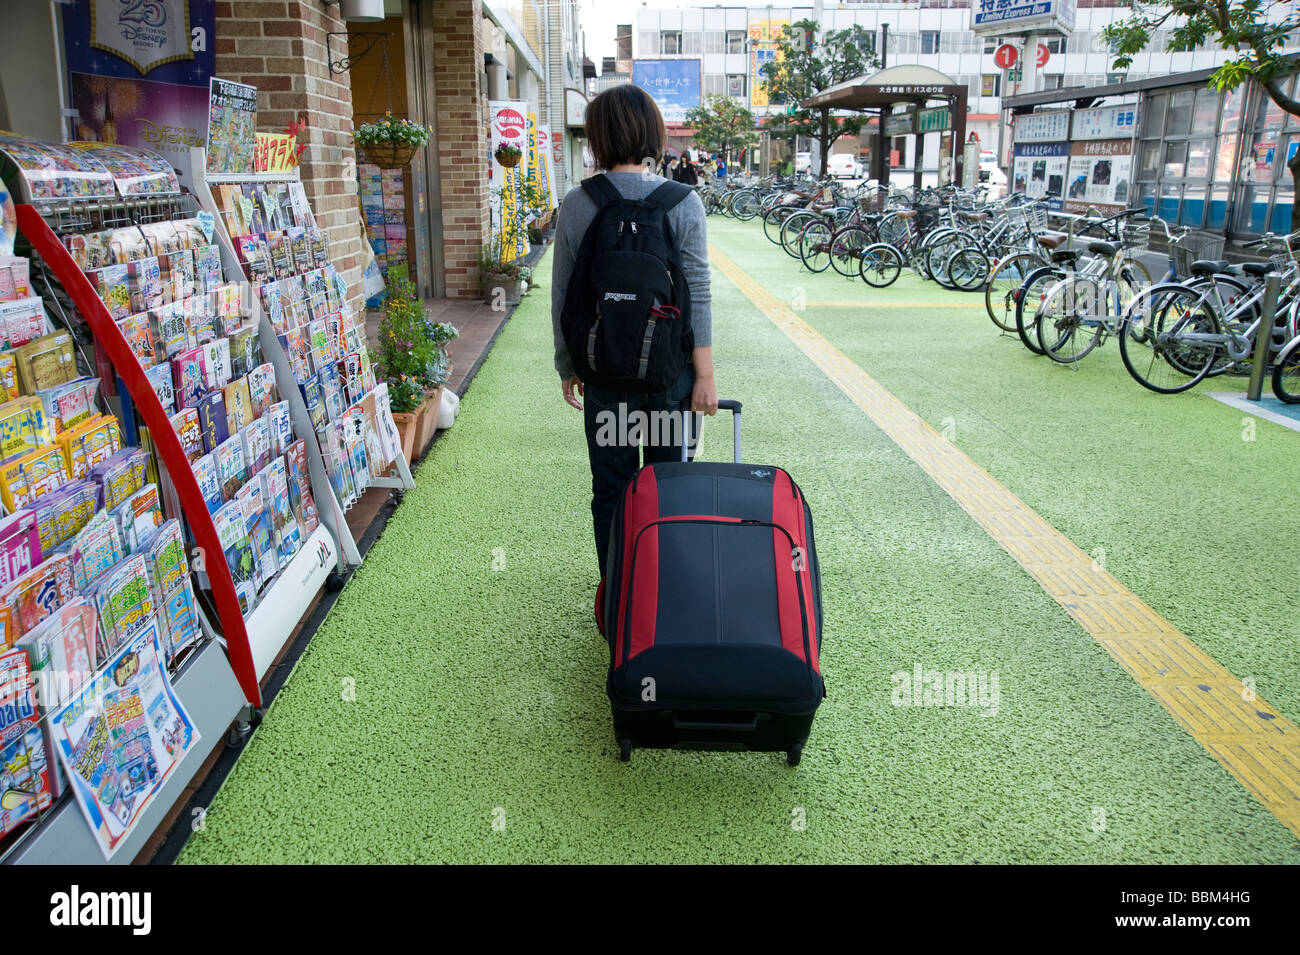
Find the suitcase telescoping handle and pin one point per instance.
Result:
(725, 404)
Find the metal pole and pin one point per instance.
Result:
(1264, 336)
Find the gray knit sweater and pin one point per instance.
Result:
(687, 221)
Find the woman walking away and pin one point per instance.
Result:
(630, 302)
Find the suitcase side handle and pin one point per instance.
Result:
(726, 404)
(724, 725)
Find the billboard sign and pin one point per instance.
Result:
(1038, 171)
(675, 85)
(763, 35)
(1021, 17)
(1100, 175)
(1111, 122)
(1043, 127)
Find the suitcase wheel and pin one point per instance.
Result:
(625, 750)
(794, 754)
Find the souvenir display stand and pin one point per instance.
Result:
(399, 476)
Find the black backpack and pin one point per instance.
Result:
(627, 310)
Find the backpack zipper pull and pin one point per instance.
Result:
(620, 226)
(634, 227)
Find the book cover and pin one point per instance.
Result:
(261, 388)
(33, 475)
(189, 377)
(284, 525)
(40, 592)
(281, 423)
(214, 421)
(137, 331)
(257, 522)
(301, 245)
(59, 516)
(233, 534)
(209, 480)
(160, 377)
(281, 253)
(384, 424)
(257, 444)
(297, 348)
(179, 275)
(165, 556)
(377, 456)
(95, 550)
(273, 304)
(239, 405)
(68, 637)
(207, 268)
(337, 464)
(23, 427)
(180, 618)
(8, 376)
(245, 350)
(20, 546)
(231, 466)
(201, 322)
(300, 497)
(45, 362)
(124, 602)
(314, 399)
(228, 304)
(173, 337)
(354, 386)
(139, 517)
(320, 247)
(232, 209)
(352, 432)
(69, 404)
(120, 476)
(186, 425)
(113, 287)
(29, 777)
(216, 363)
(144, 280)
(94, 440)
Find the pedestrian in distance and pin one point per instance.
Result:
(626, 134)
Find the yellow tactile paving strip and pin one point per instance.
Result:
(1252, 740)
(866, 304)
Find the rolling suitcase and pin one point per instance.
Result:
(711, 603)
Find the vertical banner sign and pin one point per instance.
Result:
(232, 126)
(544, 150)
(536, 175)
(763, 35)
(673, 84)
(509, 128)
(138, 73)
(120, 738)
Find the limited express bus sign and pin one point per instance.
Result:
(1013, 17)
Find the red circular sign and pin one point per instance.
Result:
(1043, 54)
(510, 124)
(1005, 57)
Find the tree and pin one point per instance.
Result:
(722, 125)
(1254, 30)
(804, 69)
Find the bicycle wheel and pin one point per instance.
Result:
(937, 252)
(1069, 321)
(745, 206)
(846, 249)
(1028, 297)
(815, 246)
(967, 269)
(773, 219)
(880, 264)
(1000, 289)
(1164, 338)
(893, 230)
(791, 229)
(1286, 373)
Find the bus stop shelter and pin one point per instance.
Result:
(901, 94)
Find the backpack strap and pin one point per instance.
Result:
(601, 191)
(668, 195)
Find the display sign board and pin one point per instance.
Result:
(276, 152)
(1038, 171)
(1021, 17)
(900, 124)
(575, 108)
(508, 127)
(675, 85)
(232, 123)
(1110, 122)
(1100, 174)
(1042, 127)
(934, 120)
(763, 35)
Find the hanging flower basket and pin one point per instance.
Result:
(508, 156)
(390, 143)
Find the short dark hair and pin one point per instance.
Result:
(624, 125)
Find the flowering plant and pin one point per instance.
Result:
(389, 130)
(508, 155)
(406, 348)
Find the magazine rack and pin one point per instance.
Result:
(349, 554)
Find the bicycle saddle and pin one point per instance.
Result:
(905, 213)
(1052, 240)
(1103, 248)
(974, 216)
(1209, 266)
(1064, 256)
(1257, 269)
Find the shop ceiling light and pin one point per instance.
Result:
(361, 11)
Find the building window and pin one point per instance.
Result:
(1055, 44)
(715, 84)
(714, 41)
(867, 44)
(735, 41)
(670, 42)
(649, 43)
(929, 41)
(991, 44)
(693, 43)
(991, 84)
(1113, 78)
(736, 85)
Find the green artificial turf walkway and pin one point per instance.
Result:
(452, 706)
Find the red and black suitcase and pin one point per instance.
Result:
(711, 604)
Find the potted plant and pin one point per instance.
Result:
(390, 143)
(405, 352)
(510, 277)
(507, 155)
(435, 375)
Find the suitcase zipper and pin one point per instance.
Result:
(631, 575)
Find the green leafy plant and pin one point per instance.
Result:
(508, 155)
(406, 348)
(388, 130)
(489, 262)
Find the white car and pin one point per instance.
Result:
(801, 162)
(844, 165)
(991, 175)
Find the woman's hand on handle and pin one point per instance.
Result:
(704, 396)
(572, 389)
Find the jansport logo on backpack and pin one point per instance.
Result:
(626, 318)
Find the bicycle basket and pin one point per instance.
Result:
(1137, 237)
(1194, 247)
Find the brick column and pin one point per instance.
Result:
(462, 124)
(279, 47)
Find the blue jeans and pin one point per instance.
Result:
(612, 442)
